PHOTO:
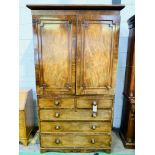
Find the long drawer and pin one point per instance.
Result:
(80, 114)
(75, 126)
(88, 102)
(56, 103)
(74, 140)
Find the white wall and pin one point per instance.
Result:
(126, 13)
(26, 62)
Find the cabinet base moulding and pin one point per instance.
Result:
(24, 141)
(125, 143)
(67, 150)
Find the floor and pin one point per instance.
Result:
(117, 146)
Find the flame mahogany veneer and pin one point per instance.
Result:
(76, 52)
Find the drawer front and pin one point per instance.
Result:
(22, 129)
(22, 132)
(75, 126)
(88, 103)
(21, 123)
(22, 126)
(56, 103)
(80, 114)
(21, 115)
(72, 140)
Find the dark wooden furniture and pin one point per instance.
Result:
(76, 52)
(127, 130)
(26, 115)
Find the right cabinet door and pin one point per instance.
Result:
(96, 59)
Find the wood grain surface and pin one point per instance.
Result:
(88, 103)
(56, 53)
(57, 103)
(127, 129)
(80, 114)
(26, 115)
(22, 125)
(76, 53)
(72, 126)
(96, 55)
(75, 140)
(74, 7)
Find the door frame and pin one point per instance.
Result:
(83, 21)
(38, 24)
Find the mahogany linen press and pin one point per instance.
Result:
(76, 53)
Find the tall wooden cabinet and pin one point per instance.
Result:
(76, 52)
(127, 130)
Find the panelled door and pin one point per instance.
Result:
(96, 54)
(55, 60)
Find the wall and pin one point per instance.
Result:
(26, 54)
(126, 13)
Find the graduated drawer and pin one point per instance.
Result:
(74, 140)
(22, 132)
(88, 103)
(22, 125)
(56, 103)
(75, 126)
(80, 114)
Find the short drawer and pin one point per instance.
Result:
(74, 140)
(80, 114)
(56, 103)
(75, 126)
(88, 103)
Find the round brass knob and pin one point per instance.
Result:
(57, 114)
(93, 127)
(93, 141)
(57, 127)
(56, 102)
(57, 141)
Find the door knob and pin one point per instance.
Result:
(57, 127)
(56, 102)
(93, 141)
(93, 127)
(57, 141)
(57, 114)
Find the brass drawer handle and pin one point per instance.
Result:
(94, 103)
(94, 114)
(56, 102)
(57, 114)
(93, 141)
(94, 109)
(57, 127)
(57, 141)
(93, 127)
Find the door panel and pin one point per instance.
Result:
(96, 55)
(56, 54)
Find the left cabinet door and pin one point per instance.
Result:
(54, 46)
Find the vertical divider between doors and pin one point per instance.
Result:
(76, 55)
